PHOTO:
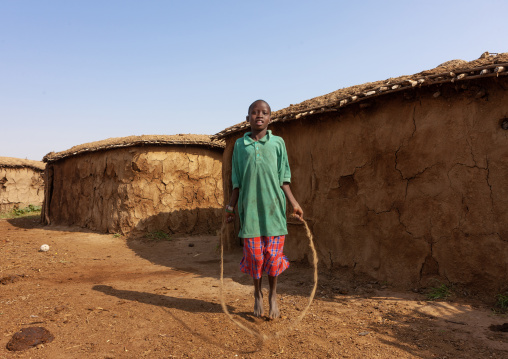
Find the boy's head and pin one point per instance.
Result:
(255, 102)
(259, 115)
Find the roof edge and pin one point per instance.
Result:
(380, 88)
(134, 141)
(13, 162)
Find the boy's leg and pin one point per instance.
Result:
(272, 297)
(258, 298)
(252, 264)
(275, 264)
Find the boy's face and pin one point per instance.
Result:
(259, 116)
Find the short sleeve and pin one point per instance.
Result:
(284, 171)
(235, 177)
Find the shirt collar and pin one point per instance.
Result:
(247, 140)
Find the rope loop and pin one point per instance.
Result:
(261, 336)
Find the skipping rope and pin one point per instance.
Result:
(255, 333)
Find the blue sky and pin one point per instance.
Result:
(73, 72)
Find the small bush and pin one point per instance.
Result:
(158, 236)
(502, 302)
(439, 292)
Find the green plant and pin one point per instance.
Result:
(158, 236)
(502, 302)
(33, 208)
(439, 292)
(17, 212)
(116, 235)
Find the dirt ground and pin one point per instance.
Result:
(103, 296)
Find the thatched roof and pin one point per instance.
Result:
(12, 162)
(487, 65)
(131, 141)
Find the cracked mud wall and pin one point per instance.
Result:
(175, 189)
(408, 189)
(20, 187)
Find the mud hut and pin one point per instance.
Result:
(137, 184)
(21, 183)
(404, 179)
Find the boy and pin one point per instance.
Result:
(261, 177)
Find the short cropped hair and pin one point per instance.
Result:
(252, 104)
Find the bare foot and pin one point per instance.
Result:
(274, 307)
(258, 304)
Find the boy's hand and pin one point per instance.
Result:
(230, 217)
(230, 214)
(298, 212)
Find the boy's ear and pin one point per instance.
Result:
(247, 118)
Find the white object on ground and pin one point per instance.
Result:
(44, 248)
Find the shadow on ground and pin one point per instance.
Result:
(186, 304)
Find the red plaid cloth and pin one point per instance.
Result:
(264, 253)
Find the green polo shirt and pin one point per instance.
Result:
(259, 169)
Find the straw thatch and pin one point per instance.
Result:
(449, 72)
(12, 162)
(130, 141)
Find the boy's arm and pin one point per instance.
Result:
(297, 210)
(230, 208)
(235, 179)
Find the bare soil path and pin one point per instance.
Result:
(103, 296)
